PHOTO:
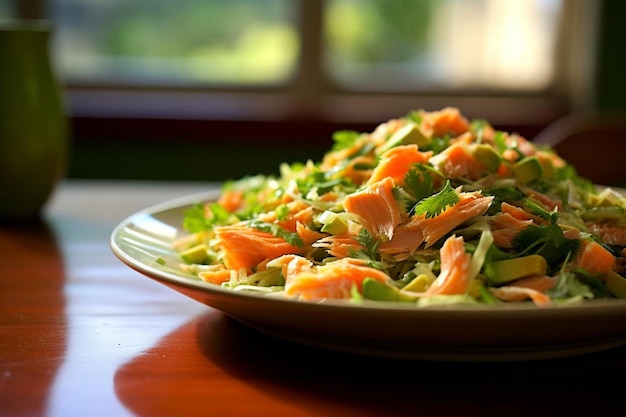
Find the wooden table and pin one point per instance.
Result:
(83, 335)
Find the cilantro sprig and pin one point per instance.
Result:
(344, 139)
(547, 241)
(435, 204)
(200, 217)
(369, 252)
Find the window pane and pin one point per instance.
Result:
(169, 42)
(442, 44)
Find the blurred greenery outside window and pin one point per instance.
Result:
(443, 44)
(163, 42)
(463, 47)
(382, 44)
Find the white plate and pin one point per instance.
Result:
(396, 330)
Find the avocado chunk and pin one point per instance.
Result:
(527, 170)
(196, 254)
(487, 156)
(616, 284)
(407, 135)
(419, 284)
(269, 277)
(333, 223)
(509, 270)
(376, 290)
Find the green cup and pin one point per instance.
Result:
(34, 138)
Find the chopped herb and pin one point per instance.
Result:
(435, 204)
(201, 217)
(418, 182)
(344, 139)
(478, 126)
(282, 212)
(320, 182)
(415, 117)
(547, 241)
(369, 243)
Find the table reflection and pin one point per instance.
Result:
(270, 375)
(31, 295)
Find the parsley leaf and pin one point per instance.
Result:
(435, 204)
(415, 117)
(282, 212)
(502, 194)
(196, 218)
(320, 182)
(369, 243)
(344, 139)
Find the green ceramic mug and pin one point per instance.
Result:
(34, 139)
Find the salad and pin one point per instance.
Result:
(429, 208)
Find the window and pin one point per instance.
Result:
(350, 60)
(173, 43)
(447, 45)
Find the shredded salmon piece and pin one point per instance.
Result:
(231, 200)
(456, 161)
(519, 213)
(339, 246)
(612, 234)
(447, 121)
(244, 247)
(594, 258)
(408, 236)
(335, 279)
(507, 225)
(454, 276)
(215, 277)
(377, 208)
(396, 162)
(514, 293)
(505, 229)
(510, 222)
(308, 235)
(471, 204)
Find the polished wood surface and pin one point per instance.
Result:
(81, 334)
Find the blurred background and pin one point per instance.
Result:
(206, 90)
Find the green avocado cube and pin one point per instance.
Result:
(376, 290)
(195, 255)
(407, 135)
(333, 223)
(487, 156)
(527, 170)
(509, 270)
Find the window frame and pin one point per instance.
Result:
(311, 95)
